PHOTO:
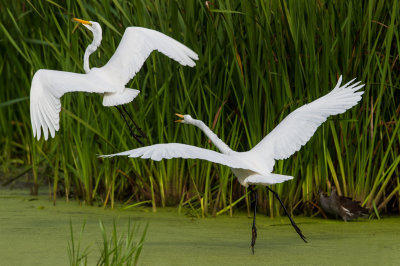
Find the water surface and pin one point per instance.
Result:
(34, 232)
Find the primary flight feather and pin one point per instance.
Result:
(136, 45)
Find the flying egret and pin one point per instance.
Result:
(136, 45)
(254, 167)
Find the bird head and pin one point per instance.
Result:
(93, 27)
(334, 191)
(186, 119)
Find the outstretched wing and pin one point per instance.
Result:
(137, 44)
(298, 127)
(158, 152)
(47, 88)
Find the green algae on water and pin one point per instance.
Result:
(174, 239)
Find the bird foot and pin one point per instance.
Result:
(253, 237)
(135, 136)
(141, 132)
(298, 231)
(253, 228)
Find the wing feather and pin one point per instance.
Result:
(158, 152)
(299, 126)
(46, 120)
(135, 47)
(47, 88)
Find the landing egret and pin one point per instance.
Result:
(345, 207)
(136, 45)
(254, 167)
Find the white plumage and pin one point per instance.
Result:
(136, 45)
(255, 166)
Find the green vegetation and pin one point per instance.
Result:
(76, 255)
(175, 239)
(115, 250)
(259, 60)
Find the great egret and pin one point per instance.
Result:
(254, 167)
(136, 45)
(345, 207)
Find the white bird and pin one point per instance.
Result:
(254, 167)
(136, 45)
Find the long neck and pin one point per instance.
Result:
(214, 138)
(97, 36)
(89, 50)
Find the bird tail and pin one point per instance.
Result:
(266, 180)
(118, 98)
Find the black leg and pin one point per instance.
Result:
(136, 137)
(134, 123)
(288, 215)
(254, 229)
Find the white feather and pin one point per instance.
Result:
(47, 88)
(299, 126)
(158, 152)
(137, 43)
(135, 47)
(255, 166)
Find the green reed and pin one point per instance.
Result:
(115, 248)
(76, 255)
(259, 60)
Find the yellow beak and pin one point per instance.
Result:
(179, 121)
(83, 21)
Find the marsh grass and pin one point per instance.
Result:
(76, 255)
(121, 249)
(115, 248)
(259, 60)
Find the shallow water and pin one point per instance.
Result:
(34, 232)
